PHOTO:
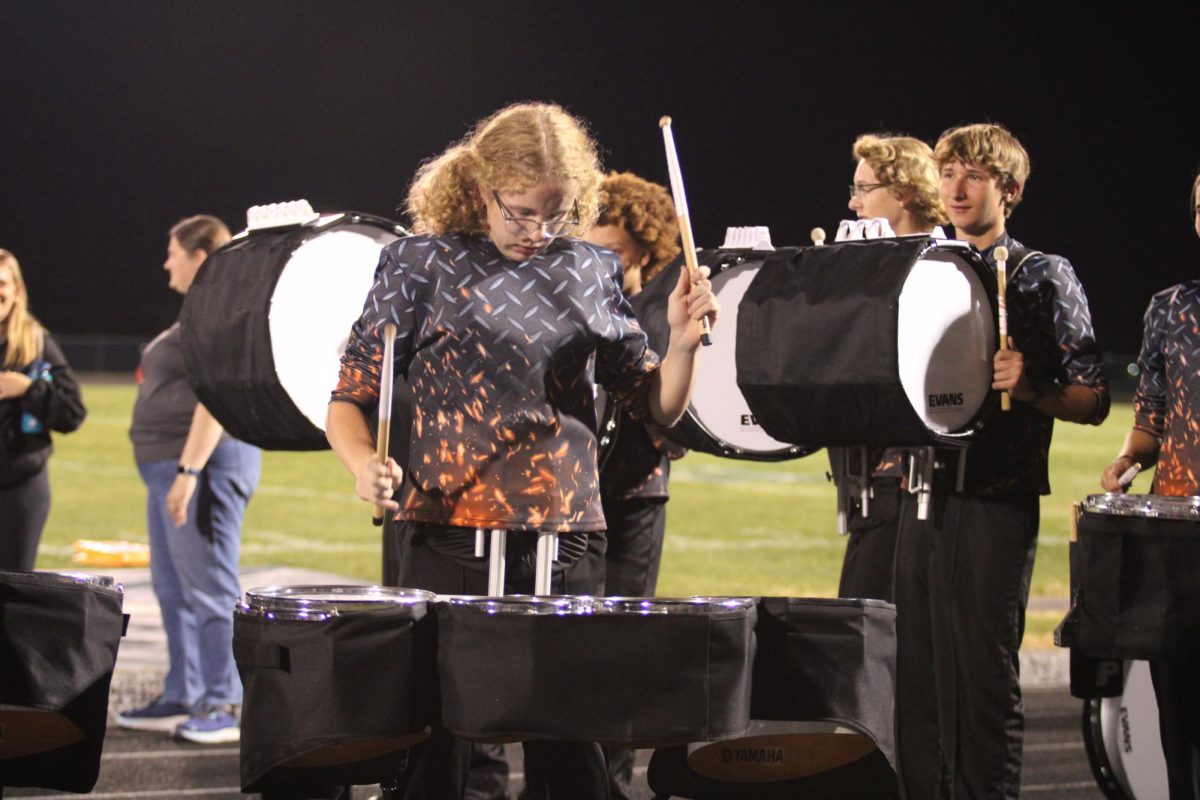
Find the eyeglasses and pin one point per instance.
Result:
(553, 228)
(861, 190)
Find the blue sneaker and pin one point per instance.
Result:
(159, 715)
(210, 725)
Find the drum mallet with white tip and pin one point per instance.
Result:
(1002, 311)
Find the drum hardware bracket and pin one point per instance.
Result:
(850, 481)
(496, 562)
(921, 464)
(547, 553)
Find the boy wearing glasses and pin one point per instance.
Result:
(962, 576)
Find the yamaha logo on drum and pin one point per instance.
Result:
(764, 756)
(945, 401)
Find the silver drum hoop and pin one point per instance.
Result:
(319, 603)
(1145, 506)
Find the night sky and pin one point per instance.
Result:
(119, 118)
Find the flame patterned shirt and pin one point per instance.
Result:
(502, 358)
(1051, 326)
(1164, 405)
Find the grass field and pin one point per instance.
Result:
(734, 527)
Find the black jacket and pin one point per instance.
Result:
(52, 400)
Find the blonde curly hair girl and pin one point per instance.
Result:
(512, 150)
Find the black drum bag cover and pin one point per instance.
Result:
(616, 678)
(817, 344)
(817, 660)
(58, 648)
(227, 343)
(1135, 585)
(311, 685)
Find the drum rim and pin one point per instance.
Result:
(583, 605)
(299, 600)
(70, 578)
(1143, 506)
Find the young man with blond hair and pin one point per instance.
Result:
(962, 576)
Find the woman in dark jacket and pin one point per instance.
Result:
(38, 393)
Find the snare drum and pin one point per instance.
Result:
(338, 681)
(718, 420)
(58, 648)
(1122, 739)
(266, 321)
(1135, 577)
(629, 671)
(880, 343)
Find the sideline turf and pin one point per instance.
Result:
(734, 527)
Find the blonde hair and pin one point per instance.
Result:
(512, 150)
(201, 232)
(643, 210)
(989, 145)
(23, 330)
(904, 166)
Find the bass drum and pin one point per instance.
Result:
(884, 343)
(267, 319)
(718, 420)
(1122, 739)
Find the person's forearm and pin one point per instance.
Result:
(1140, 448)
(674, 381)
(348, 435)
(1073, 403)
(203, 437)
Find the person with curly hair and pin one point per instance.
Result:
(896, 180)
(38, 394)
(637, 222)
(505, 324)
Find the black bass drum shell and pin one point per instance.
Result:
(267, 318)
(884, 342)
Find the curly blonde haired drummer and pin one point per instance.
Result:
(505, 323)
(896, 180)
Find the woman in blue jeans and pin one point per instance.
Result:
(198, 481)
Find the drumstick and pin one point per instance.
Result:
(1128, 475)
(1002, 308)
(818, 236)
(681, 212)
(383, 431)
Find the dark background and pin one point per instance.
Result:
(119, 118)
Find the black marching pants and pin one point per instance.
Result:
(962, 584)
(1177, 689)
